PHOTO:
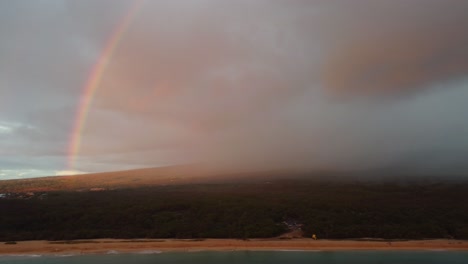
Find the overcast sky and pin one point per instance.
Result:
(320, 84)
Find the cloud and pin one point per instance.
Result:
(6, 128)
(245, 93)
(244, 83)
(397, 64)
(396, 49)
(6, 174)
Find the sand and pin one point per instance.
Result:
(139, 245)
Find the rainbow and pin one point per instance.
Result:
(93, 81)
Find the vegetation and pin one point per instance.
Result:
(247, 210)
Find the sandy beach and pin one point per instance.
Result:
(148, 245)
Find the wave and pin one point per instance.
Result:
(299, 250)
(24, 255)
(149, 252)
(66, 255)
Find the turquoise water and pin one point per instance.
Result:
(253, 257)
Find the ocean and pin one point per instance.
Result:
(250, 257)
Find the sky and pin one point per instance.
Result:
(309, 84)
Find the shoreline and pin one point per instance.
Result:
(149, 246)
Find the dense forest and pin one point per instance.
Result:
(247, 210)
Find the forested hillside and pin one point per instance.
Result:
(247, 210)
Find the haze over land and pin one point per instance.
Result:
(322, 85)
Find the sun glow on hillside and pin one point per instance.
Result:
(69, 172)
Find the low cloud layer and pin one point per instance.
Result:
(253, 84)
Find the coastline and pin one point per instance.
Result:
(103, 246)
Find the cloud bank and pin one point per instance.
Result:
(261, 84)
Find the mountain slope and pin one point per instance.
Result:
(171, 175)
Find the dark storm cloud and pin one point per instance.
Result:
(241, 83)
(398, 47)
